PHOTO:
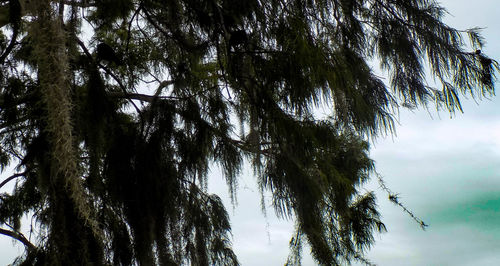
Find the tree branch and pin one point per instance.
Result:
(19, 237)
(15, 15)
(12, 177)
(135, 96)
(109, 72)
(393, 197)
(10, 47)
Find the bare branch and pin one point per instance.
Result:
(393, 197)
(135, 96)
(163, 85)
(12, 177)
(19, 237)
(143, 97)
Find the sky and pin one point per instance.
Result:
(446, 170)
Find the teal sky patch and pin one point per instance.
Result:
(482, 213)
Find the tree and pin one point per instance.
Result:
(113, 111)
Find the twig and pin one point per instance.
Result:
(130, 26)
(393, 197)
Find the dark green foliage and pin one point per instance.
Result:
(107, 12)
(163, 90)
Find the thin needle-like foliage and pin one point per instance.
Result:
(112, 113)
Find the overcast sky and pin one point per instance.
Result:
(447, 172)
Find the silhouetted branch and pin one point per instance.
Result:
(19, 237)
(9, 47)
(393, 197)
(12, 177)
(109, 72)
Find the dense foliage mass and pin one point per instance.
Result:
(113, 111)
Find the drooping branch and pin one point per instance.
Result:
(10, 178)
(19, 237)
(394, 198)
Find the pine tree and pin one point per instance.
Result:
(113, 111)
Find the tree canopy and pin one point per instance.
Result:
(113, 112)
